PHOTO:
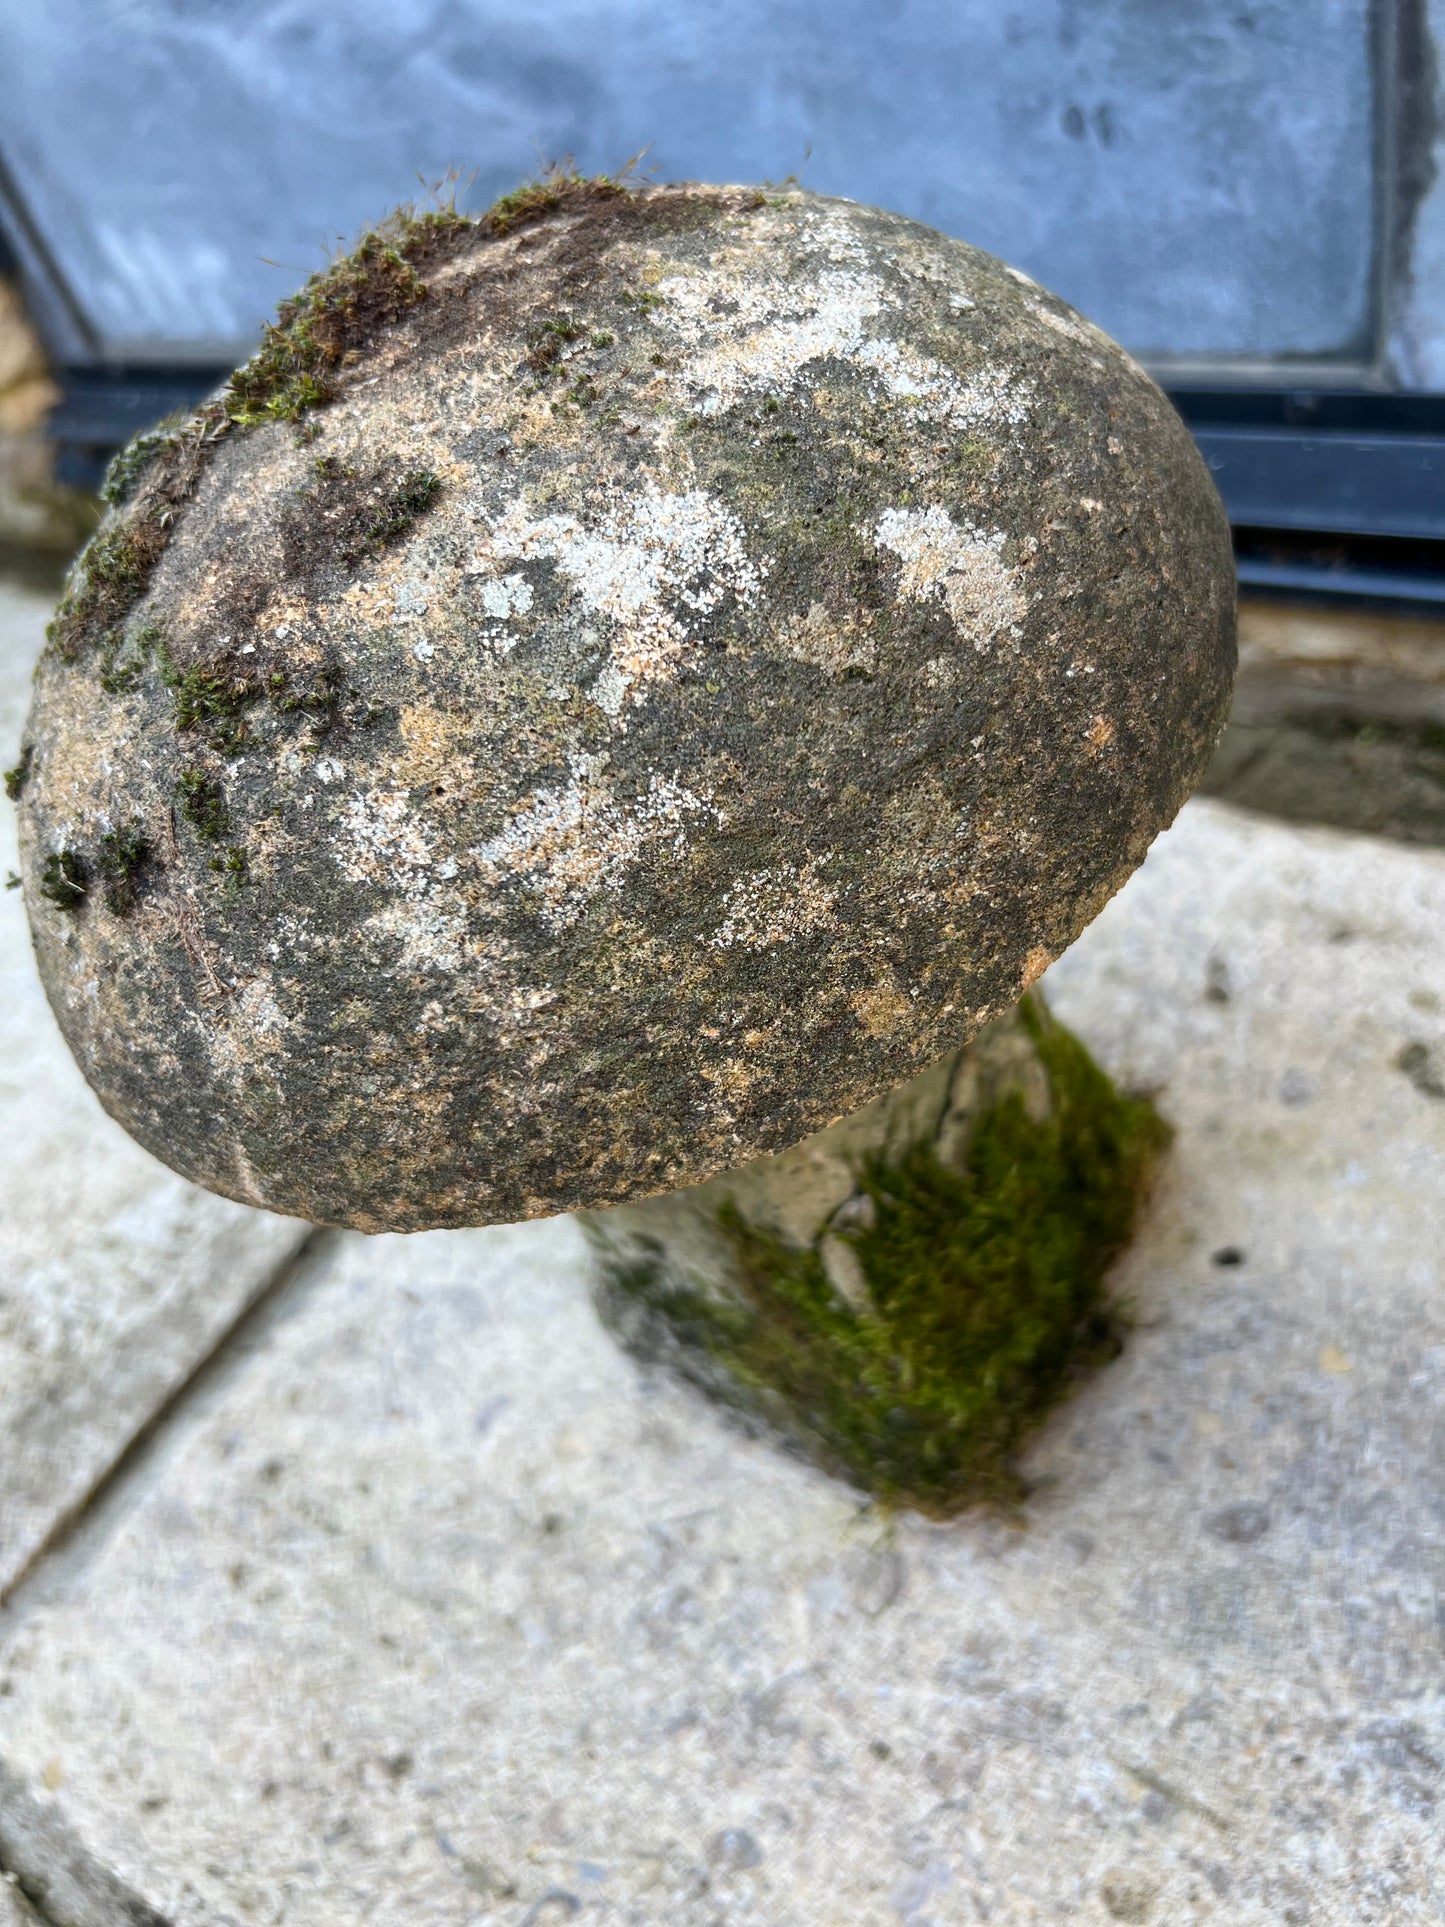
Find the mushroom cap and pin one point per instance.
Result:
(611, 688)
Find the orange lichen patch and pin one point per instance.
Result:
(843, 645)
(1100, 733)
(1035, 964)
(435, 755)
(882, 1009)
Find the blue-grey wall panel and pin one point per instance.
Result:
(1418, 338)
(1196, 174)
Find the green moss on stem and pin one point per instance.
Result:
(986, 1294)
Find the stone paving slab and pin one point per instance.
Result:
(117, 1276)
(432, 1608)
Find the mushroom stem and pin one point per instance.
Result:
(903, 1296)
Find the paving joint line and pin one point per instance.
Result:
(69, 1523)
(46, 1862)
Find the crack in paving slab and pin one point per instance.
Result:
(63, 1885)
(313, 1241)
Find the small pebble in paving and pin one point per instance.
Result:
(552, 1907)
(1127, 1900)
(1296, 1087)
(1239, 1524)
(1419, 1064)
(1227, 1255)
(735, 1849)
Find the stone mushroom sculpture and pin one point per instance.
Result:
(612, 687)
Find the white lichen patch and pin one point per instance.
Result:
(648, 566)
(381, 839)
(762, 333)
(508, 595)
(774, 906)
(411, 600)
(428, 925)
(570, 843)
(742, 333)
(957, 564)
(989, 395)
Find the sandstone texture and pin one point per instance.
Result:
(616, 686)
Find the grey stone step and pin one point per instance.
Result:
(118, 1277)
(431, 1608)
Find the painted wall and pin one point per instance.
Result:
(1198, 175)
(1418, 339)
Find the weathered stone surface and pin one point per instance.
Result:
(117, 1278)
(436, 1611)
(715, 650)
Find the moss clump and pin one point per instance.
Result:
(202, 804)
(336, 313)
(112, 575)
(233, 867)
(16, 775)
(123, 855)
(65, 879)
(986, 1294)
(559, 186)
(544, 350)
(211, 698)
(390, 519)
(354, 512)
(122, 658)
(128, 466)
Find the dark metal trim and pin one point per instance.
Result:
(38, 263)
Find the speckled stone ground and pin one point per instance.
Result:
(117, 1277)
(431, 1607)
